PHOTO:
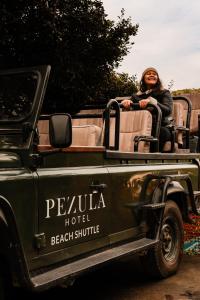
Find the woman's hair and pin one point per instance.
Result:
(158, 86)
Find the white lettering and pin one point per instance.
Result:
(101, 201)
(91, 203)
(61, 202)
(71, 236)
(82, 208)
(73, 220)
(61, 238)
(77, 234)
(50, 205)
(71, 205)
(62, 206)
(52, 240)
(77, 220)
(67, 222)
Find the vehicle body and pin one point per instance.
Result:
(65, 210)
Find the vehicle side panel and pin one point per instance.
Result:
(74, 206)
(128, 180)
(19, 190)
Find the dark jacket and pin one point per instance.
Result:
(165, 102)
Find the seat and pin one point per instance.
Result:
(82, 135)
(177, 129)
(195, 111)
(194, 121)
(133, 124)
(178, 117)
(87, 131)
(90, 131)
(89, 121)
(192, 116)
(180, 129)
(86, 135)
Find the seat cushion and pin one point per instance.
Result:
(86, 135)
(132, 123)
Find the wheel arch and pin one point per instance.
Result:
(164, 258)
(177, 193)
(11, 250)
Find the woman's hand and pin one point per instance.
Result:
(143, 103)
(126, 103)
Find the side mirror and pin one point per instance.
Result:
(60, 130)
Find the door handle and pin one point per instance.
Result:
(97, 187)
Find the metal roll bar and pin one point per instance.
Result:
(189, 110)
(112, 105)
(154, 138)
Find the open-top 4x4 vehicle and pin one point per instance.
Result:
(79, 191)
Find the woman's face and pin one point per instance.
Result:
(150, 78)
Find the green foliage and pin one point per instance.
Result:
(75, 37)
(116, 85)
(186, 91)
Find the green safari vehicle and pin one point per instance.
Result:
(66, 208)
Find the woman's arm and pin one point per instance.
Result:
(166, 103)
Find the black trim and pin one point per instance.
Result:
(197, 162)
(34, 70)
(109, 154)
(150, 139)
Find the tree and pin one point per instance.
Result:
(117, 84)
(75, 37)
(186, 91)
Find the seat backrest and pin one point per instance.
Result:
(179, 120)
(195, 100)
(86, 133)
(132, 123)
(82, 135)
(178, 117)
(43, 129)
(89, 121)
(178, 114)
(194, 123)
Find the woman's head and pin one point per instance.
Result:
(150, 80)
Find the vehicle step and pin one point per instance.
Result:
(60, 274)
(153, 206)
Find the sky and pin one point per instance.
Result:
(168, 39)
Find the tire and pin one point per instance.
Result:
(2, 288)
(164, 259)
(197, 203)
(6, 289)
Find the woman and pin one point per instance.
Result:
(152, 91)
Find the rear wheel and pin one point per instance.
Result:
(2, 288)
(6, 288)
(163, 260)
(197, 203)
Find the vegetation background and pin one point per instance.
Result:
(82, 45)
(79, 41)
